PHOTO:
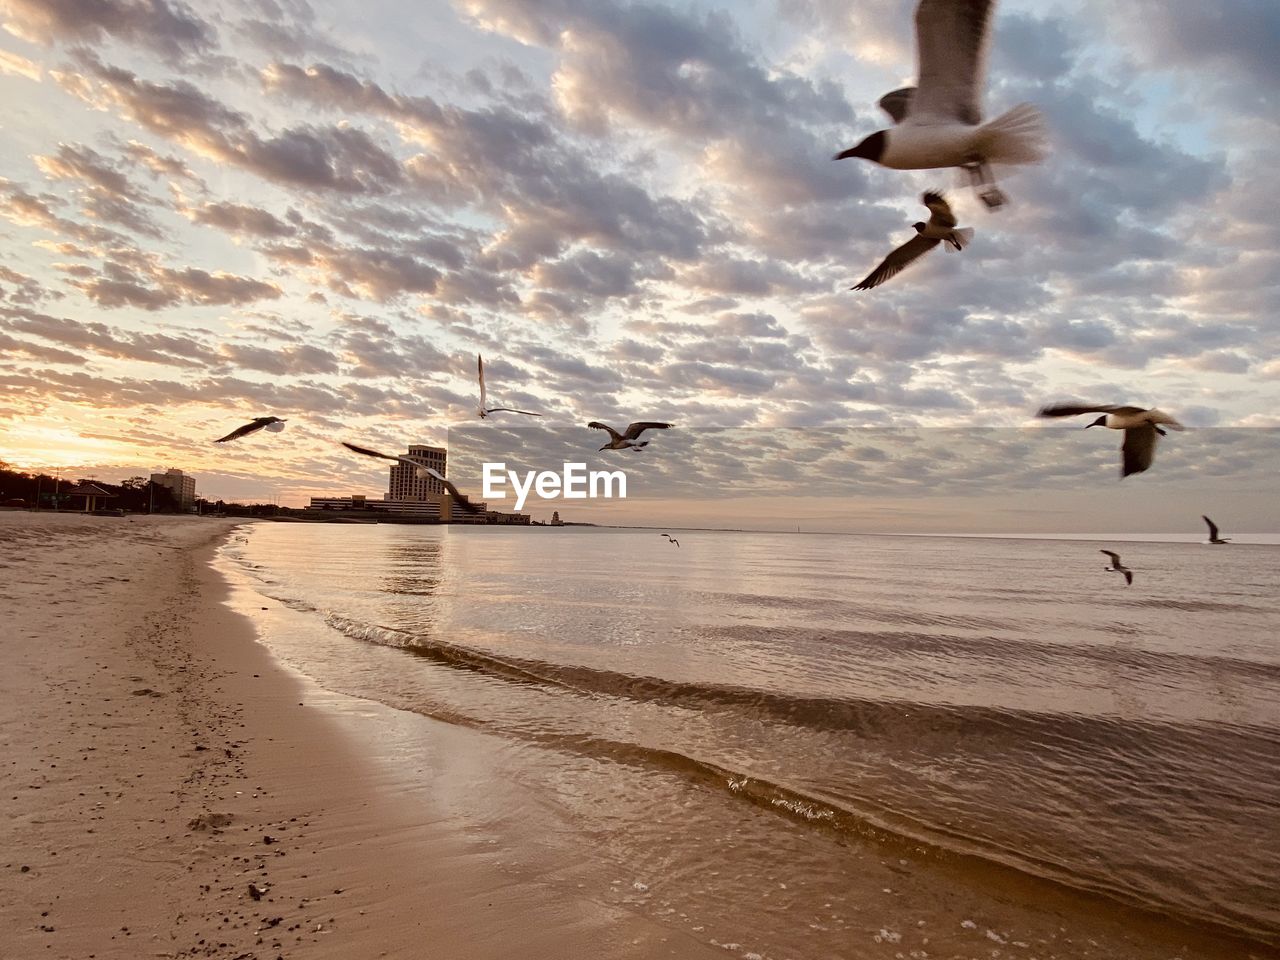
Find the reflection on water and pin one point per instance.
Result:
(843, 708)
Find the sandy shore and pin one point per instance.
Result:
(172, 791)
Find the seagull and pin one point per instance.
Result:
(627, 441)
(1118, 567)
(671, 539)
(1213, 532)
(421, 472)
(941, 226)
(1139, 426)
(938, 122)
(274, 424)
(486, 410)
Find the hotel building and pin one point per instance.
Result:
(182, 486)
(404, 483)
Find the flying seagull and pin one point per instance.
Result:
(1139, 426)
(938, 122)
(1118, 567)
(485, 409)
(941, 226)
(627, 441)
(671, 539)
(1213, 532)
(274, 424)
(421, 472)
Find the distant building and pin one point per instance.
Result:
(497, 516)
(414, 509)
(405, 484)
(180, 485)
(419, 498)
(555, 519)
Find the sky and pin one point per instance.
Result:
(324, 211)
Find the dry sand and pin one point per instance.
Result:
(169, 790)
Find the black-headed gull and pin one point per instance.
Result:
(1140, 429)
(274, 424)
(1118, 567)
(485, 409)
(1213, 532)
(941, 226)
(938, 122)
(628, 439)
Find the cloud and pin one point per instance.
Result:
(340, 158)
(171, 30)
(19, 66)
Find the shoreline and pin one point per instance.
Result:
(162, 761)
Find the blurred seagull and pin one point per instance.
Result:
(627, 441)
(938, 123)
(485, 410)
(1118, 567)
(1139, 426)
(671, 539)
(941, 226)
(421, 471)
(1213, 532)
(274, 424)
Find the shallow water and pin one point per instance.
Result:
(835, 745)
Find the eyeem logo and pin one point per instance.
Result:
(573, 483)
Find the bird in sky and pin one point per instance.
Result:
(671, 539)
(1140, 429)
(485, 409)
(938, 122)
(274, 424)
(421, 471)
(1118, 567)
(1213, 532)
(941, 226)
(628, 440)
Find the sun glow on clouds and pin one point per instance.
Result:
(36, 447)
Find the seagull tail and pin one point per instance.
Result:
(1016, 136)
(960, 238)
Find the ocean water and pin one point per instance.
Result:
(805, 745)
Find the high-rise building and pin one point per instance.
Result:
(406, 485)
(182, 486)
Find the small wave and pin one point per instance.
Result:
(831, 608)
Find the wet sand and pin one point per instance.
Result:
(170, 790)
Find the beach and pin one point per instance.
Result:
(264, 740)
(171, 790)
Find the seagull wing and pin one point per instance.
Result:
(366, 452)
(940, 210)
(511, 410)
(251, 427)
(952, 37)
(635, 429)
(1128, 577)
(897, 103)
(597, 425)
(1138, 450)
(1159, 416)
(454, 493)
(1075, 409)
(897, 261)
(480, 369)
(1115, 557)
(1213, 527)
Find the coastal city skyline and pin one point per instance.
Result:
(289, 209)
